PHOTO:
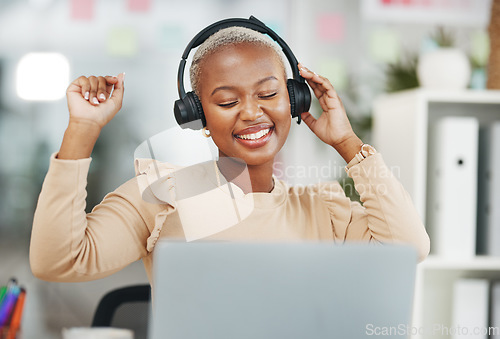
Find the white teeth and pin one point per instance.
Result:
(254, 136)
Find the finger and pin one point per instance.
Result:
(318, 83)
(94, 85)
(328, 104)
(110, 82)
(84, 84)
(341, 103)
(322, 85)
(101, 89)
(117, 95)
(308, 119)
(318, 89)
(306, 73)
(323, 90)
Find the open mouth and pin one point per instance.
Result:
(255, 139)
(254, 136)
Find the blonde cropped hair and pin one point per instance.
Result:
(225, 37)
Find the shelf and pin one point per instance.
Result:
(404, 133)
(452, 96)
(468, 96)
(481, 263)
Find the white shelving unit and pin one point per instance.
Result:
(401, 133)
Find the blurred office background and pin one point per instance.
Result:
(353, 43)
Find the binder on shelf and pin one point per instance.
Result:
(488, 211)
(470, 308)
(451, 213)
(495, 308)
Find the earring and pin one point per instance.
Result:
(204, 132)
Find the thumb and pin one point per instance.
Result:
(309, 120)
(117, 95)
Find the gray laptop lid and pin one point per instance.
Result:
(281, 290)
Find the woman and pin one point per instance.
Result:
(240, 79)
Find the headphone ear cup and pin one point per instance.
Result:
(300, 97)
(189, 109)
(291, 94)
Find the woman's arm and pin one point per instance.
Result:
(388, 214)
(67, 244)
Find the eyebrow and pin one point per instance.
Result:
(221, 88)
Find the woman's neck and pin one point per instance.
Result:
(249, 178)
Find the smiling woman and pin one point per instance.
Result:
(246, 104)
(247, 108)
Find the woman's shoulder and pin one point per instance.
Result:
(153, 167)
(163, 182)
(155, 180)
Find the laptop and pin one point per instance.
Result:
(226, 290)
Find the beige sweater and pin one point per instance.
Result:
(69, 245)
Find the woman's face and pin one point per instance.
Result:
(245, 100)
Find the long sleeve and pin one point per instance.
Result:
(69, 245)
(387, 215)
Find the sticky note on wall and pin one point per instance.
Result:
(82, 9)
(330, 27)
(139, 5)
(171, 36)
(335, 70)
(122, 42)
(384, 45)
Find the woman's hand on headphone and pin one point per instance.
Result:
(333, 126)
(95, 99)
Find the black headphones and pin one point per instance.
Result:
(188, 110)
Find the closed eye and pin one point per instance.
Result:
(268, 96)
(228, 104)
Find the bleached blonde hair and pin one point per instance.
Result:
(225, 37)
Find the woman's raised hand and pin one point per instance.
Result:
(92, 102)
(333, 126)
(95, 100)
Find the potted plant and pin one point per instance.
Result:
(402, 74)
(445, 67)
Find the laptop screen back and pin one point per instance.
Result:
(281, 290)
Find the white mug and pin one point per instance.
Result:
(97, 333)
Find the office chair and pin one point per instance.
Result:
(125, 307)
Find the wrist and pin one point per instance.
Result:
(365, 152)
(84, 125)
(349, 147)
(79, 139)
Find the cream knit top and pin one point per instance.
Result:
(69, 245)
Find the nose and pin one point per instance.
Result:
(250, 110)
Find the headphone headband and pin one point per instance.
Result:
(251, 23)
(188, 108)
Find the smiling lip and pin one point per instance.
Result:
(253, 137)
(253, 129)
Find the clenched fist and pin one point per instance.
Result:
(95, 99)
